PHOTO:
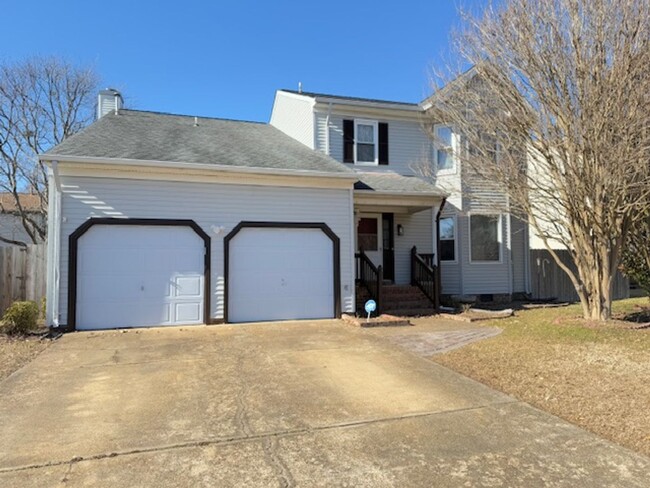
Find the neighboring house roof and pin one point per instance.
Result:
(153, 136)
(28, 201)
(394, 183)
(327, 97)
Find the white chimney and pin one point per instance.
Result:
(109, 100)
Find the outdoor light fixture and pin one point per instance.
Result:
(400, 230)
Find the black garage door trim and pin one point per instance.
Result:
(73, 242)
(336, 249)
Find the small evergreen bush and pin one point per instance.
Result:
(20, 318)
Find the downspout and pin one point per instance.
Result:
(54, 248)
(510, 263)
(438, 280)
(327, 129)
(353, 239)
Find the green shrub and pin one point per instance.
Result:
(20, 317)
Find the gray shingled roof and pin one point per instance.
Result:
(155, 136)
(391, 182)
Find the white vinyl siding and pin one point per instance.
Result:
(211, 206)
(465, 278)
(408, 145)
(418, 231)
(294, 115)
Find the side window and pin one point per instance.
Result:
(485, 238)
(444, 148)
(448, 239)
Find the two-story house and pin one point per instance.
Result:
(160, 219)
(483, 249)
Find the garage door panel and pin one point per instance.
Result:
(278, 274)
(187, 286)
(134, 276)
(187, 312)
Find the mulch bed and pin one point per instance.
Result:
(382, 321)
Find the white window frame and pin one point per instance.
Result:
(375, 126)
(453, 150)
(499, 237)
(455, 260)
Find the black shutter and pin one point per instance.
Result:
(348, 141)
(383, 143)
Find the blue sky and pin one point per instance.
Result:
(226, 59)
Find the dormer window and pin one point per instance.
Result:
(365, 142)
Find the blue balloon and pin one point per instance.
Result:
(371, 306)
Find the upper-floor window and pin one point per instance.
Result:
(365, 142)
(444, 148)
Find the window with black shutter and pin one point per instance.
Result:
(365, 142)
(348, 141)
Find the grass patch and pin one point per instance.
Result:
(592, 374)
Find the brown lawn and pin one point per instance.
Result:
(15, 352)
(594, 375)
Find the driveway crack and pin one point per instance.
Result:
(241, 414)
(273, 458)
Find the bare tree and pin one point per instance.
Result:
(42, 101)
(555, 112)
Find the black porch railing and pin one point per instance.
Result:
(371, 277)
(424, 275)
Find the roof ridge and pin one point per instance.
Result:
(171, 114)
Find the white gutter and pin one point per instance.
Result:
(378, 193)
(198, 166)
(364, 103)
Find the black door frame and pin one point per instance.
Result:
(388, 255)
(336, 249)
(73, 246)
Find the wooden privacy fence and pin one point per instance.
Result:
(22, 274)
(548, 280)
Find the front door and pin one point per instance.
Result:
(388, 238)
(369, 237)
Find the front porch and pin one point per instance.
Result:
(396, 242)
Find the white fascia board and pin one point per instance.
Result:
(299, 96)
(378, 194)
(363, 103)
(195, 166)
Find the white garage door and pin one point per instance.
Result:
(280, 274)
(138, 276)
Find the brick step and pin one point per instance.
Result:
(411, 312)
(401, 290)
(403, 304)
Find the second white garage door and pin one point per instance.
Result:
(138, 276)
(280, 274)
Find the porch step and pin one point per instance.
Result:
(400, 300)
(411, 312)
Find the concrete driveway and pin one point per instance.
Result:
(291, 404)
